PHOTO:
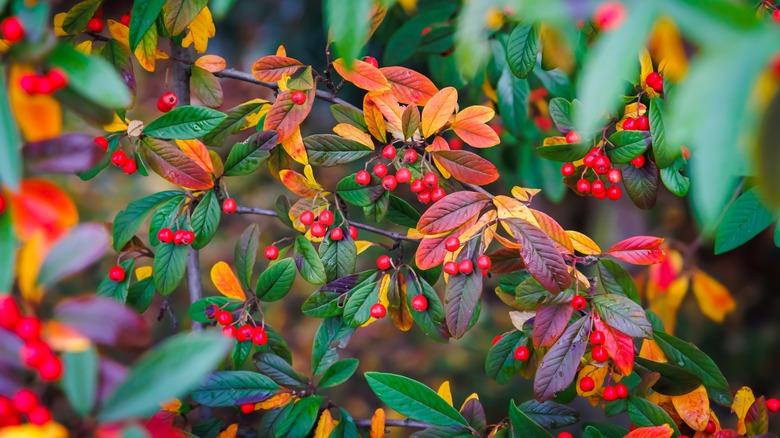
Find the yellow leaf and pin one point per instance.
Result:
(146, 50)
(632, 110)
(325, 425)
(666, 302)
(694, 408)
(646, 67)
(378, 424)
(201, 29)
(120, 32)
(652, 351)
(445, 392)
(384, 286)
(211, 63)
(57, 24)
(362, 245)
(556, 52)
(31, 256)
(582, 243)
(29, 430)
(226, 282)
(197, 152)
(294, 147)
(253, 119)
(116, 125)
(374, 119)
(84, 47)
(230, 432)
(299, 184)
(39, 116)
(714, 299)
(351, 132)
(667, 45)
(281, 51)
(409, 6)
(62, 337)
(743, 400)
(388, 105)
(512, 208)
(598, 374)
(275, 401)
(143, 272)
(172, 405)
(524, 194)
(438, 111)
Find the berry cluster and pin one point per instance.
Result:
(378, 310)
(600, 164)
(12, 30)
(465, 267)
(319, 226)
(655, 81)
(35, 353)
(24, 402)
(167, 101)
(180, 237)
(427, 188)
(49, 83)
(244, 333)
(120, 159)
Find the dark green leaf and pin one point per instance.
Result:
(522, 48)
(91, 77)
(559, 366)
(205, 219)
(358, 305)
(641, 183)
(113, 144)
(280, 371)
(523, 426)
(674, 380)
(644, 413)
(346, 427)
(166, 216)
(118, 56)
(564, 152)
(117, 290)
(513, 94)
(142, 17)
(338, 257)
(245, 254)
(140, 294)
(561, 113)
(80, 379)
(130, 219)
(338, 373)
(616, 280)
(322, 304)
(549, 414)
(308, 262)
(674, 180)
(205, 86)
(246, 157)
(349, 115)
(622, 314)
(10, 142)
(79, 15)
(624, 146)
(744, 219)
(300, 420)
(232, 388)
(348, 23)
(500, 363)
(665, 154)
(405, 40)
(185, 123)
(529, 295)
(402, 213)
(234, 122)
(168, 267)
(275, 282)
(178, 14)
(376, 212)
(361, 196)
(330, 150)
(332, 335)
(240, 353)
(276, 345)
(431, 322)
(271, 420)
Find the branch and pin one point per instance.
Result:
(407, 422)
(391, 234)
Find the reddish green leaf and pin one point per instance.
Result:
(622, 314)
(542, 259)
(467, 167)
(641, 183)
(756, 420)
(284, 117)
(461, 301)
(550, 322)
(452, 211)
(172, 164)
(639, 250)
(559, 366)
(206, 87)
(68, 153)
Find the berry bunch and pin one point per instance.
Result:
(600, 164)
(466, 266)
(120, 159)
(24, 402)
(244, 333)
(49, 83)
(180, 237)
(167, 101)
(427, 188)
(35, 353)
(320, 225)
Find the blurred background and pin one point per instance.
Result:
(746, 346)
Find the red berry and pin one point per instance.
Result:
(229, 331)
(589, 160)
(116, 274)
(773, 404)
(244, 333)
(609, 15)
(686, 153)
(380, 170)
(776, 15)
(403, 175)
(599, 354)
(167, 101)
(383, 263)
(165, 235)
(318, 230)
(39, 416)
(51, 369)
(484, 262)
(29, 83)
(44, 86)
(178, 237)
(95, 25)
(572, 137)
(12, 29)
(307, 218)
(452, 243)
(597, 337)
(711, 427)
(247, 408)
(378, 311)
(327, 218)
(437, 194)
(224, 317)
(583, 186)
(567, 169)
(162, 106)
(337, 234)
(101, 142)
(33, 353)
(389, 182)
(420, 303)
(651, 78)
(614, 193)
(629, 124)
(130, 167)
(9, 312)
(260, 336)
(371, 60)
(57, 79)
(125, 20)
(639, 161)
(614, 176)
(229, 205)
(416, 186)
(25, 401)
(565, 435)
(410, 156)
(118, 158)
(466, 267)
(388, 152)
(298, 97)
(496, 339)
(598, 187)
(451, 268)
(353, 232)
(587, 384)
(579, 302)
(187, 237)
(424, 196)
(363, 178)
(601, 164)
(522, 353)
(271, 252)
(455, 143)
(622, 390)
(430, 180)
(610, 393)
(643, 123)
(426, 30)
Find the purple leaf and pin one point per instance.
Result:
(559, 365)
(104, 320)
(542, 260)
(461, 300)
(68, 153)
(550, 322)
(83, 246)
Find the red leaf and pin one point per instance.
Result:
(550, 322)
(175, 166)
(664, 431)
(431, 251)
(409, 86)
(639, 250)
(506, 260)
(271, 68)
(284, 116)
(452, 211)
(619, 346)
(542, 259)
(467, 167)
(42, 205)
(559, 366)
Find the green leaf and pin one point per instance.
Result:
(275, 282)
(165, 216)
(500, 363)
(522, 47)
(142, 17)
(178, 14)
(663, 152)
(168, 267)
(689, 357)
(413, 399)
(280, 371)
(349, 115)
(644, 413)
(234, 122)
(431, 322)
(338, 257)
(641, 183)
(592, 432)
(406, 38)
(330, 150)
(675, 181)
(80, 379)
(402, 213)
(91, 77)
(358, 306)
(141, 294)
(332, 334)
(616, 280)
(561, 112)
(622, 314)
(528, 295)
(117, 290)
(462, 298)
(171, 370)
(608, 430)
(276, 345)
(185, 123)
(205, 219)
(270, 421)
(240, 353)
(300, 420)
(173, 165)
(206, 87)
(79, 15)
(376, 212)
(559, 366)
(232, 388)
(523, 426)
(624, 146)
(361, 196)
(246, 157)
(673, 381)
(348, 23)
(564, 152)
(198, 308)
(308, 262)
(549, 414)
(245, 254)
(744, 219)
(83, 246)
(513, 95)
(10, 147)
(128, 221)
(338, 373)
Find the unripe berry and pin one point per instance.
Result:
(95, 25)
(639, 161)
(416, 186)
(403, 175)
(130, 166)
(430, 180)
(597, 337)
(622, 390)
(572, 137)
(567, 169)
(271, 252)
(101, 142)
(484, 262)
(118, 158)
(773, 404)
(229, 331)
(353, 232)
(522, 353)
(378, 311)
(383, 262)
(337, 234)
(610, 393)
(51, 369)
(643, 123)
(363, 178)
(39, 416)
(424, 196)
(380, 170)
(466, 267)
(389, 183)
(298, 97)
(318, 230)
(388, 152)
(614, 193)
(244, 333)
(410, 156)
(420, 303)
(614, 176)
(437, 194)
(451, 268)
(307, 218)
(247, 408)
(327, 218)
(25, 401)
(117, 274)
(629, 124)
(211, 311)
(371, 60)
(587, 384)
(260, 336)
(224, 317)
(583, 186)
(601, 164)
(12, 29)
(452, 244)
(579, 302)
(229, 205)
(599, 354)
(9, 312)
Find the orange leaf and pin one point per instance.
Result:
(352, 132)
(664, 431)
(39, 116)
(651, 351)
(378, 424)
(743, 400)
(40, 204)
(295, 148)
(471, 125)
(714, 299)
(620, 347)
(375, 120)
(666, 302)
(275, 401)
(226, 282)
(598, 374)
(211, 63)
(467, 167)
(438, 110)
(362, 75)
(583, 243)
(389, 107)
(299, 184)
(325, 425)
(284, 117)
(28, 264)
(409, 86)
(271, 68)
(174, 165)
(197, 152)
(62, 337)
(639, 250)
(230, 432)
(509, 207)
(553, 229)
(694, 408)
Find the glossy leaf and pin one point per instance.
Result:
(522, 48)
(338, 373)
(550, 322)
(330, 150)
(185, 122)
(644, 413)
(624, 145)
(470, 124)
(550, 415)
(279, 371)
(205, 219)
(79, 15)
(116, 289)
(523, 425)
(206, 87)
(500, 363)
(285, 117)
(362, 75)
(128, 221)
(673, 379)
(275, 282)
(561, 112)
(467, 166)
(639, 250)
(619, 346)
(300, 420)
(333, 334)
(513, 95)
(142, 17)
(308, 262)
(451, 212)
(246, 157)
(178, 14)
(169, 265)
(621, 313)
(338, 257)
(361, 196)
(358, 306)
(431, 321)
(231, 388)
